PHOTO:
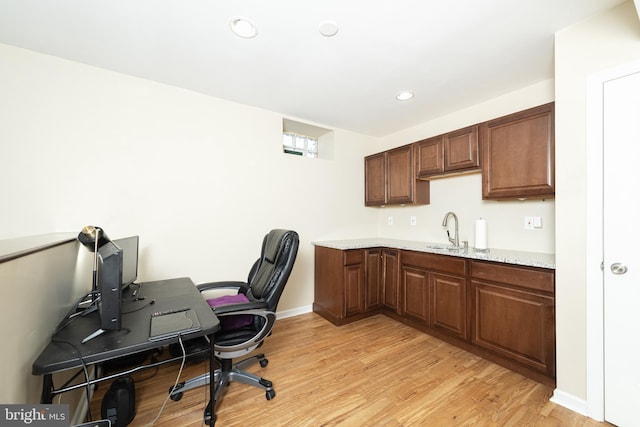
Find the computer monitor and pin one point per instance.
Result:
(129, 247)
(117, 269)
(110, 286)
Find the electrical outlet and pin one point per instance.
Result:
(390, 220)
(528, 223)
(532, 222)
(412, 220)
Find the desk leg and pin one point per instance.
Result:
(47, 389)
(210, 410)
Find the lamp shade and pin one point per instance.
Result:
(88, 236)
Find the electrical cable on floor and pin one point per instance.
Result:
(184, 358)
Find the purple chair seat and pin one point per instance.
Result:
(228, 323)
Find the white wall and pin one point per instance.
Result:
(597, 44)
(201, 180)
(463, 194)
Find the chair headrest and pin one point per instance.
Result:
(271, 272)
(272, 245)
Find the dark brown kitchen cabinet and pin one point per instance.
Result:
(454, 152)
(390, 286)
(415, 291)
(389, 179)
(354, 289)
(434, 289)
(347, 283)
(518, 153)
(449, 304)
(430, 156)
(502, 312)
(339, 283)
(514, 314)
(375, 178)
(373, 279)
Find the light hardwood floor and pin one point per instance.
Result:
(374, 372)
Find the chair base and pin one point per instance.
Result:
(227, 373)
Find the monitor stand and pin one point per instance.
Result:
(93, 335)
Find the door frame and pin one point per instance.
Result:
(594, 238)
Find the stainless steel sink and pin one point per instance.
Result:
(444, 247)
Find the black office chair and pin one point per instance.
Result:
(248, 317)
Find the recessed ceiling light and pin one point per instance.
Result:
(243, 27)
(404, 96)
(328, 28)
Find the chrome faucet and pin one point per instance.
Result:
(455, 240)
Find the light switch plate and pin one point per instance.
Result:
(537, 222)
(412, 220)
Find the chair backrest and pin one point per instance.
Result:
(271, 271)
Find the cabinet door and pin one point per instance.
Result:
(518, 155)
(430, 156)
(390, 264)
(353, 289)
(461, 149)
(515, 323)
(372, 279)
(374, 180)
(449, 304)
(400, 178)
(415, 292)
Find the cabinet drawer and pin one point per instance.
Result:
(530, 278)
(433, 262)
(352, 257)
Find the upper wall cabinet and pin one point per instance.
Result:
(518, 153)
(389, 179)
(454, 152)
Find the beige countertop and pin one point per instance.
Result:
(530, 259)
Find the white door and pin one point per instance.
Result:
(621, 235)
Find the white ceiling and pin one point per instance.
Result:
(451, 54)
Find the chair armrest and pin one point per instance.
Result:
(228, 284)
(239, 308)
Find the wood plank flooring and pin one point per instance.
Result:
(374, 372)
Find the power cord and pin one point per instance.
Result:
(166, 399)
(86, 374)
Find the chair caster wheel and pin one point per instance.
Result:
(175, 396)
(271, 394)
(264, 363)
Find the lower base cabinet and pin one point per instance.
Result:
(514, 314)
(347, 283)
(502, 312)
(449, 305)
(435, 292)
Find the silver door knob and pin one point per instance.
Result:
(618, 268)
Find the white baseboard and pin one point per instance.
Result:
(569, 401)
(294, 312)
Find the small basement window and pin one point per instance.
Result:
(302, 139)
(300, 145)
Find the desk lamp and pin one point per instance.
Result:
(93, 238)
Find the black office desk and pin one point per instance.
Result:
(62, 352)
